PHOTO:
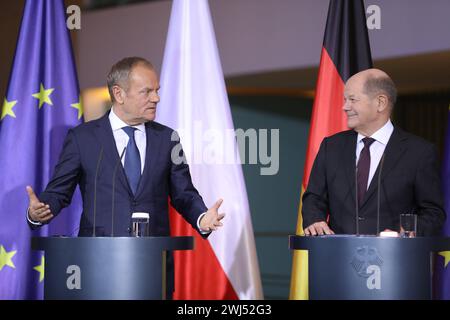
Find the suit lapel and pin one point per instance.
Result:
(106, 138)
(392, 153)
(151, 153)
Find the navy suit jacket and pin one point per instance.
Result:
(161, 179)
(409, 182)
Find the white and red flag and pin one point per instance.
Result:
(194, 102)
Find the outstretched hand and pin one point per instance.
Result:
(211, 220)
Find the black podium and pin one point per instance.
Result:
(123, 268)
(349, 267)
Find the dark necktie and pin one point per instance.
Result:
(132, 160)
(363, 169)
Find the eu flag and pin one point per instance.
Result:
(42, 102)
(442, 281)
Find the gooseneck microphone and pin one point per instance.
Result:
(356, 201)
(99, 160)
(114, 189)
(379, 194)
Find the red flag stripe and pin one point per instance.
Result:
(327, 117)
(201, 258)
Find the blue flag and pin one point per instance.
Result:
(442, 270)
(42, 102)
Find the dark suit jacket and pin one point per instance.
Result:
(409, 182)
(160, 179)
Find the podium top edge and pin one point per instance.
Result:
(164, 242)
(297, 242)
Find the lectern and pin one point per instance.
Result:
(125, 268)
(369, 267)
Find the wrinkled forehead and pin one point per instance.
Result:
(143, 75)
(354, 86)
(142, 69)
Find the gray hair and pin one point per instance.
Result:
(381, 85)
(120, 72)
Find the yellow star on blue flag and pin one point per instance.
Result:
(79, 107)
(40, 268)
(44, 96)
(7, 109)
(446, 255)
(6, 258)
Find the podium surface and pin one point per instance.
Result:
(369, 267)
(107, 267)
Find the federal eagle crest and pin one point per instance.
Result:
(364, 257)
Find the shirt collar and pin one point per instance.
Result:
(382, 135)
(118, 124)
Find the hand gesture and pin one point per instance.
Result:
(211, 220)
(37, 211)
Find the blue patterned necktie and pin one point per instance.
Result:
(132, 160)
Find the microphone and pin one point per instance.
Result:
(356, 201)
(100, 157)
(114, 190)
(379, 194)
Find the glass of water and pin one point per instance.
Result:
(140, 224)
(408, 225)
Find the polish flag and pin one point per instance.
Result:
(194, 102)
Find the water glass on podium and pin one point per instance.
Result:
(140, 224)
(408, 225)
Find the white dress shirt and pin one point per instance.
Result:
(377, 148)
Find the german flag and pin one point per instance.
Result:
(345, 51)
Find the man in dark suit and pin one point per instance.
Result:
(342, 192)
(125, 156)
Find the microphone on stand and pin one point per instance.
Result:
(356, 201)
(379, 194)
(114, 189)
(100, 157)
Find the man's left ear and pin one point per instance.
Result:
(382, 102)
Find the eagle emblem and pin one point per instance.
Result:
(364, 257)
